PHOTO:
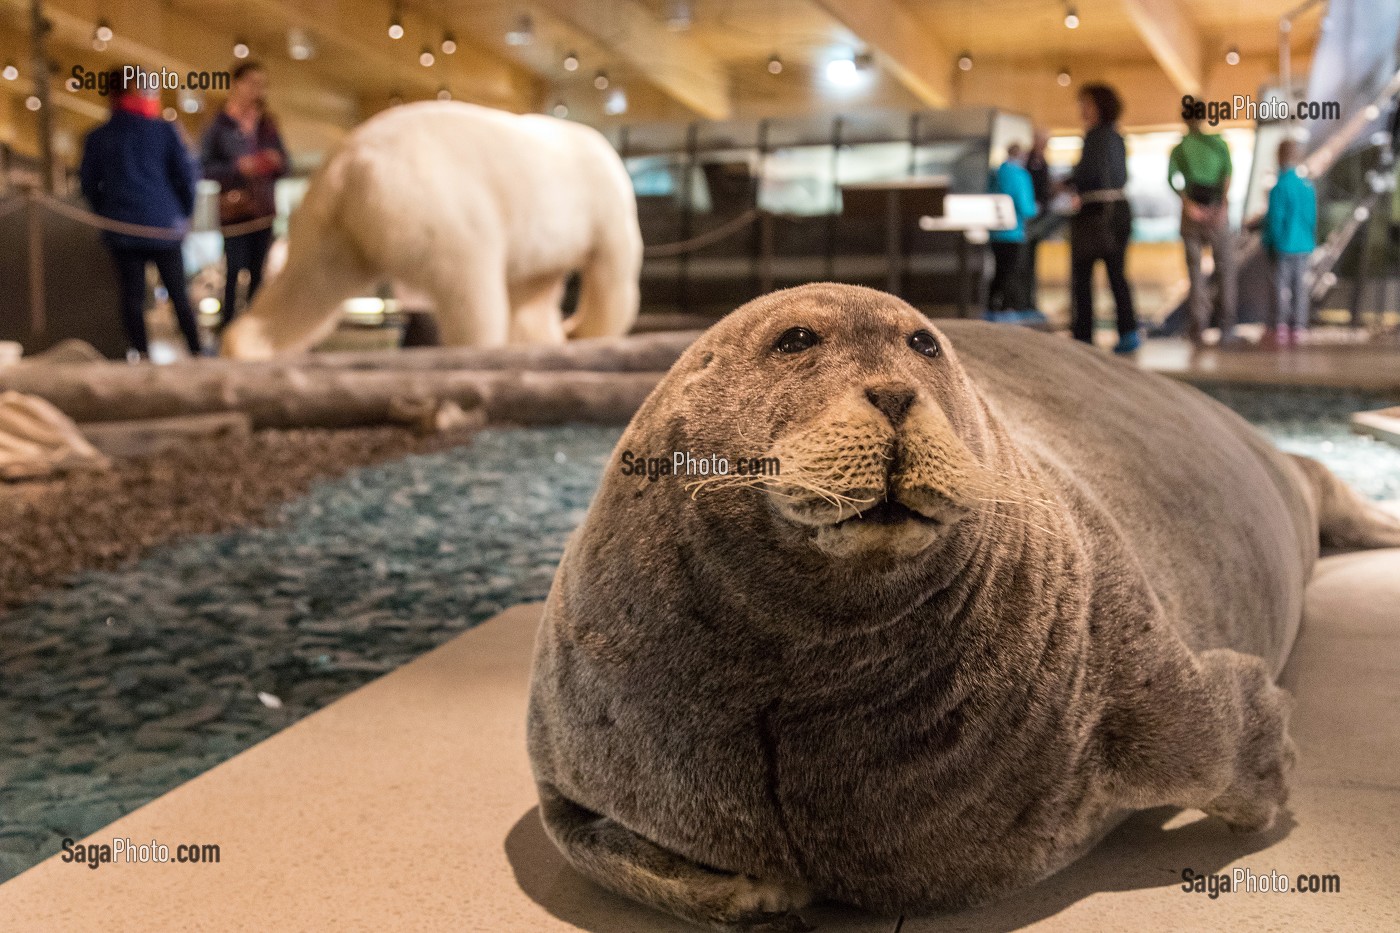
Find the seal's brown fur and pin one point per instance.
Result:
(748, 691)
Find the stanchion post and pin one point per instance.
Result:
(34, 235)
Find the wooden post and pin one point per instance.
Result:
(39, 34)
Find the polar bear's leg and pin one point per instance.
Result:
(300, 306)
(536, 317)
(472, 301)
(609, 297)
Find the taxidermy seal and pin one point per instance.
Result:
(485, 212)
(1002, 589)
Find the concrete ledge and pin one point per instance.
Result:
(409, 805)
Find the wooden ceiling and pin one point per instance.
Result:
(672, 60)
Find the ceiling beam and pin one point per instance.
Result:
(673, 62)
(916, 58)
(1174, 40)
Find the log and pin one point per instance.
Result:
(653, 352)
(148, 436)
(285, 396)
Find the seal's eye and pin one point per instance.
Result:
(795, 340)
(924, 342)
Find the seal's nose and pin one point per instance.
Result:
(893, 401)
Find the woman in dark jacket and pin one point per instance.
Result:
(136, 170)
(243, 152)
(1100, 229)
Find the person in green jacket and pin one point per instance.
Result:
(1202, 163)
(1290, 235)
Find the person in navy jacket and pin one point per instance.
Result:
(243, 152)
(136, 169)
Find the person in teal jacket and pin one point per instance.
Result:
(1290, 235)
(1010, 289)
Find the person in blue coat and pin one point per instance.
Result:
(1290, 235)
(136, 170)
(1009, 290)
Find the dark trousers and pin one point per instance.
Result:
(1099, 232)
(1008, 291)
(245, 251)
(131, 273)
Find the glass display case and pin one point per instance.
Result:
(732, 209)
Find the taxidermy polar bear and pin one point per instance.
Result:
(486, 212)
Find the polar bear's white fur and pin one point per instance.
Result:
(486, 212)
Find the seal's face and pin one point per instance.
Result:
(864, 407)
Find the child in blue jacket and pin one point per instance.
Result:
(1290, 235)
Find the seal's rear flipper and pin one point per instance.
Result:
(1346, 520)
(621, 861)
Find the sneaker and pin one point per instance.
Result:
(1128, 343)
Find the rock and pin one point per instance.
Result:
(190, 718)
(151, 738)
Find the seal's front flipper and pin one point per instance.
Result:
(1208, 732)
(618, 859)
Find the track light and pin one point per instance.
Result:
(965, 61)
(103, 32)
(395, 22)
(1062, 79)
(523, 32)
(571, 61)
(775, 65)
(616, 103)
(600, 80)
(1232, 55)
(425, 57)
(560, 109)
(444, 94)
(240, 49)
(33, 103)
(1071, 17)
(9, 72)
(299, 45)
(678, 15)
(449, 44)
(842, 71)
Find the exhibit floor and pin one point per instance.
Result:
(409, 805)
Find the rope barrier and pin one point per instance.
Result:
(83, 216)
(662, 250)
